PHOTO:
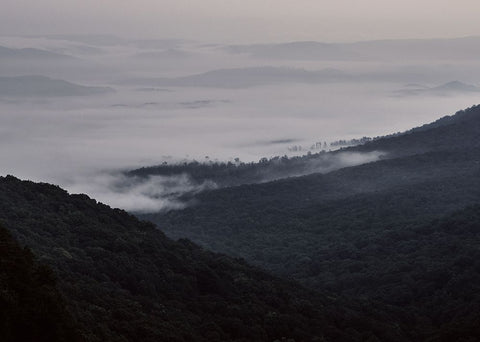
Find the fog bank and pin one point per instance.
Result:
(81, 142)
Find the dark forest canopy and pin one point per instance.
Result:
(31, 308)
(125, 281)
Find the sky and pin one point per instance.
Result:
(245, 20)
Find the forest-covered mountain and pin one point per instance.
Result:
(376, 231)
(123, 280)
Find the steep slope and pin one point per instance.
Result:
(125, 281)
(358, 231)
(31, 308)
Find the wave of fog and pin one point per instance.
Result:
(156, 193)
(140, 195)
(322, 163)
(72, 141)
(347, 159)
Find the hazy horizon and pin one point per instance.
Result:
(245, 21)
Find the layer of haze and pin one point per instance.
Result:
(137, 102)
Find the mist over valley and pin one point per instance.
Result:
(100, 105)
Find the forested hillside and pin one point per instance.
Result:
(448, 133)
(455, 132)
(123, 280)
(369, 231)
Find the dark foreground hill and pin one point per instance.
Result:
(31, 309)
(123, 280)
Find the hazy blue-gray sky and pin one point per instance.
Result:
(245, 20)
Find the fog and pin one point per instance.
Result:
(174, 100)
(139, 195)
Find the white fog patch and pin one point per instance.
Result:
(346, 159)
(329, 162)
(137, 194)
(339, 160)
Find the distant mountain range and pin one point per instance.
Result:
(31, 54)
(296, 51)
(270, 75)
(42, 86)
(422, 49)
(450, 88)
(164, 54)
